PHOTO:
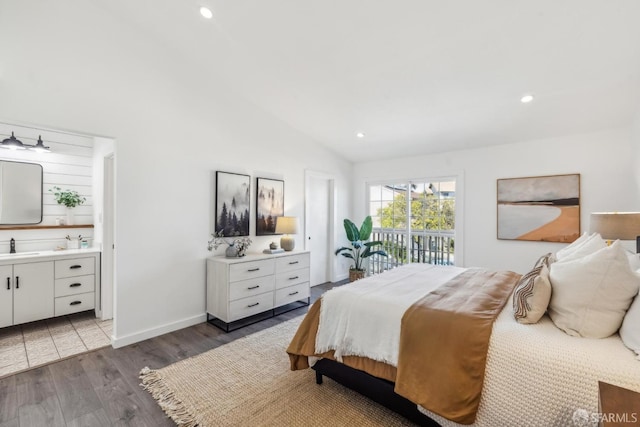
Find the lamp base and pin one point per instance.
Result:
(287, 243)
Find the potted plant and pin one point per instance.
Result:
(68, 198)
(360, 249)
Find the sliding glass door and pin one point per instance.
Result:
(415, 220)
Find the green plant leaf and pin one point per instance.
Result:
(352, 231)
(348, 255)
(379, 252)
(374, 243)
(365, 229)
(344, 248)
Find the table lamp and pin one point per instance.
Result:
(287, 225)
(617, 225)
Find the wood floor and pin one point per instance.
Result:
(102, 388)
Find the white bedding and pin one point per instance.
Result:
(363, 319)
(539, 376)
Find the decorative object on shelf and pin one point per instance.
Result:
(232, 204)
(269, 205)
(542, 208)
(360, 249)
(236, 246)
(13, 143)
(616, 226)
(70, 199)
(273, 245)
(287, 225)
(73, 243)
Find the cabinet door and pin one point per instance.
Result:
(6, 295)
(33, 291)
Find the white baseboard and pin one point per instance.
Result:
(118, 342)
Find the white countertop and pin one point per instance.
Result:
(34, 255)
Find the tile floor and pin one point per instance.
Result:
(33, 344)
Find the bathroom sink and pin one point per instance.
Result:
(19, 254)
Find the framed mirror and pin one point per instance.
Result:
(20, 193)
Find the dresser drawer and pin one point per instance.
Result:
(291, 278)
(291, 294)
(75, 285)
(249, 306)
(74, 267)
(247, 288)
(293, 262)
(250, 270)
(74, 303)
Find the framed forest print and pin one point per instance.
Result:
(269, 205)
(232, 204)
(543, 208)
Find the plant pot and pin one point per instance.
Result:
(70, 217)
(356, 275)
(73, 244)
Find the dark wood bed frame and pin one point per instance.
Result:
(376, 389)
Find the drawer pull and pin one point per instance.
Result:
(254, 287)
(73, 267)
(17, 282)
(75, 302)
(293, 262)
(293, 293)
(8, 283)
(253, 305)
(294, 277)
(253, 269)
(75, 285)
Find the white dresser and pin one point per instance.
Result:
(238, 288)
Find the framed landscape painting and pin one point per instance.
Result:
(232, 204)
(269, 205)
(543, 208)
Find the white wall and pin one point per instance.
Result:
(635, 141)
(603, 161)
(68, 166)
(73, 65)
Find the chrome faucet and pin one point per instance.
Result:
(12, 245)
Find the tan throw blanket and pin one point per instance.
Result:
(444, 343)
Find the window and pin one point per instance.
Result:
(425, 232)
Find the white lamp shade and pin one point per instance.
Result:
(286, 225)
(615, 225)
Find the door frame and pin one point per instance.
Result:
(108, 275)
(308, 174)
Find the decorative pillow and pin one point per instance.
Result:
(590, 295)
(630, 329)
(533, 292)
(591, 244)
(570, 247)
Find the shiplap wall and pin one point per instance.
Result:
(69, 166)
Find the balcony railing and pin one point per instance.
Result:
(426, 246)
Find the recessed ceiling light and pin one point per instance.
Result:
(206, 12)
(360, 135)
(526, 99)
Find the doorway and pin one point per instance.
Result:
(319, 225)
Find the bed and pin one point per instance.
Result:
(534, 375)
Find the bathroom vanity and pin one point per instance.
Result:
(42, 284)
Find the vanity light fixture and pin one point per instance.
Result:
(13, 143)
(206, 12)
(526, 99)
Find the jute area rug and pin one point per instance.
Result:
(248, 383)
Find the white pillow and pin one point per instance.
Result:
(590, 295)
(591, 244)
(630, 329)
(634, 261)
(569, 248)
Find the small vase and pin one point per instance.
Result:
(70, 217)
(231, 252)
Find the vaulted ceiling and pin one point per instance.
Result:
(415, 76)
